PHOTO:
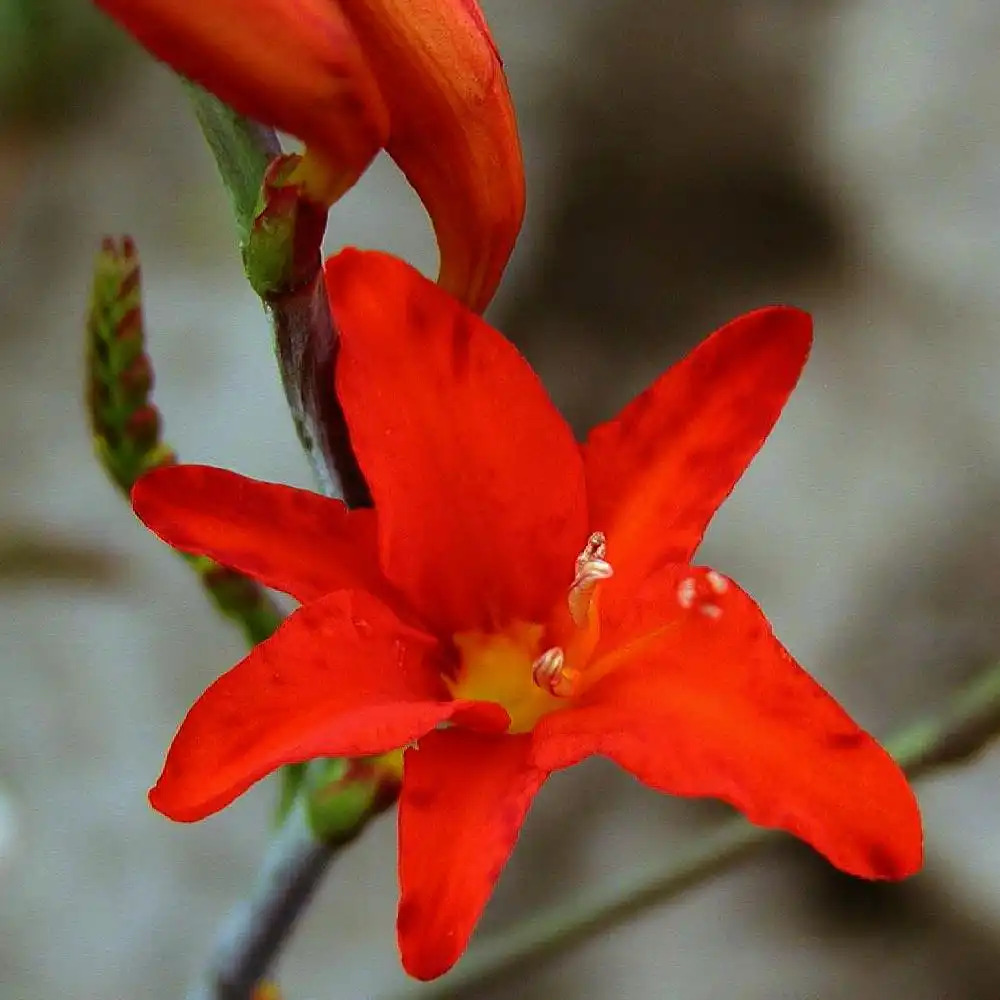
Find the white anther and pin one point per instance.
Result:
(596, 548)
(591, 569)
(546, 671)
(698, 593)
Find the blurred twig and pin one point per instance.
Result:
(32, 556)
(968, 723)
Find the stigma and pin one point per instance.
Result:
(551, 671)
(592, 568)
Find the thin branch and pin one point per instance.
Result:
(255, 932)
(306, 346)
(969, 722)
(305, 341)
(337, 797)
(280, 236)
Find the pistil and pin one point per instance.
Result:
(591, 568)
(558, 669)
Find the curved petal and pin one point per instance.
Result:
(342, 677)
(453, 131)
(658, 472)
(295, 541)
(293, 64)
(704, 701)
(476, 477)
(463, 800)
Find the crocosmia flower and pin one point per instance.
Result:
(422, 80)
(516, 602)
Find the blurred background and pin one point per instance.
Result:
(686, 162)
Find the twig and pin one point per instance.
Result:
(280, 234)
(255, 932)
(291, 230)
(337, 797)
(970, 721)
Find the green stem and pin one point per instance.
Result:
(242, 151)
(968, 723)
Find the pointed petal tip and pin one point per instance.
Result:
(424, 963)
(161, 800)
(899, 853)
(477, 789)
(795, 325)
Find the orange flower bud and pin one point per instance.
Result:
(293, 64)
(453, 132)
(422, 80)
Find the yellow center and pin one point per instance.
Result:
(530, 677)
(498, 667)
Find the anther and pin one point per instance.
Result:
(547, 670)
(701, 593)
(591, 569)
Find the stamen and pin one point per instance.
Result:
(701, 593)
(550, 673)
(596, 548)
(591, 569)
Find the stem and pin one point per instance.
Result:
(968, 723)
(306, 346)
(258, 928)
(304, 338)
(283, 236)
(242, 151)
(337, 797)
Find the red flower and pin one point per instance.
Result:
(423, 80)
(515, 603)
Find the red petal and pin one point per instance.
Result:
(658, 472)
(463, 800)
(341, 677)
(702, 703)
(476, 477)
(294, 541)
(292, 64)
